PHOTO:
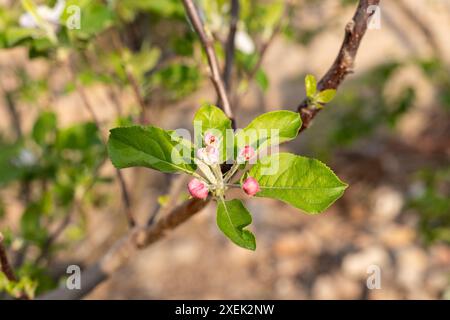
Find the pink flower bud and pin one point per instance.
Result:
(246, 153)
(251, 186)
(198, 189)
(210, 139)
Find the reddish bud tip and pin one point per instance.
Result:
(198, 189)
(251, 186)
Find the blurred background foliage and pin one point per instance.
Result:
(148, 48)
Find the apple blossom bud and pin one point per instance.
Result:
(210, 139)
(198, 189)
(251, 186)
(246, 153)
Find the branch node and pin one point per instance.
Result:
(350, 27)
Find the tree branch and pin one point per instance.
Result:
(6, 268)
(142, 237)
(122, 184)
(265, 46)
(126, 248)
(343, 65)
(230, 45)
(208, 46)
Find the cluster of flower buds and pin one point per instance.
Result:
(210, 156)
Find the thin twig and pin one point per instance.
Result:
(177, 186)
(343, 65)
(117, 43)
(15, 116)
(126, 248)
(6, 267)
(138, 95)
(123, 187)
(126, 199)
(112, 94)
(45, 251)
(266, 45)
(264, 48)
(208, 46)
(230, 45)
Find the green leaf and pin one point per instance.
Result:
(232, 218)
(262, 80)
(210, 118)
(44, 127)
(310, 85)
(95, 18)
(305, 183)
(80, 136)
(325, 96)
(14, 36)
(31, 224)
(141, 62)
(149, 147)
(10, 166)
(259, 132)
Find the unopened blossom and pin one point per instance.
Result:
(251, 186)
(209, 155)
(198, 189)
(49, 15)
(210, 139)
(246, 153)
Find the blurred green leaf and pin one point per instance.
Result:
(44, 129)
(11, 167)
(31, 226)
(262, 80)
(80, 137)
(15, 36)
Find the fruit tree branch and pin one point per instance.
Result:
(230, 45)
(125, 248)
(343, 65)
(208, 46)
(142, 237)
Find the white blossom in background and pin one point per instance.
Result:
(49, 15)
(25, 158)
(244, 42)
